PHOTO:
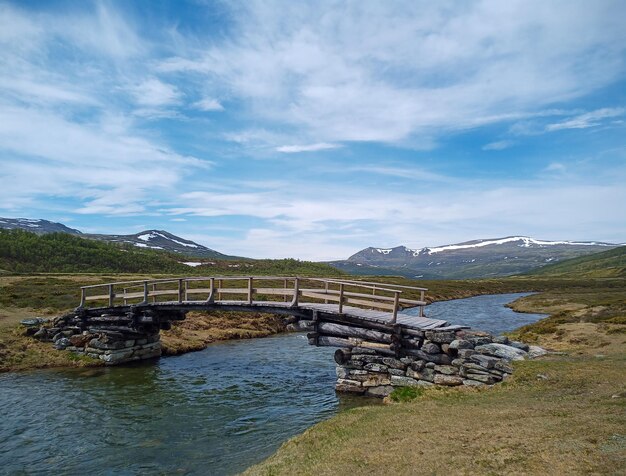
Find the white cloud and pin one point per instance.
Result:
(209, 104)
(498, 145)
(589, 119)
(291, 149)
(153, 92)
(387, 72)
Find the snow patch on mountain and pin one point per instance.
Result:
(526, 242)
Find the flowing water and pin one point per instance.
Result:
(216, 411)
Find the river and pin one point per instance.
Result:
(216, 411)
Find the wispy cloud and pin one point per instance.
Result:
(498, 145)
(292, 149)
(209, 104)
(589, 119)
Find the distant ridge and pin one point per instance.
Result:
(471, 259)
(150, 239)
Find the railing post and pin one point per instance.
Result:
(180, 290)
(83, 297)
(154, 298)
(250, 290)
(186, 290)
(111, 295)
(396, 305)
(125, 300)
(325, 291)
(340, 298)
(285, 288)
(211, 297)
(422, 306)
(219, 286)
(296, 292)
(145, 292)
(374, 295)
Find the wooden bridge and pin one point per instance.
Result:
(364, 302)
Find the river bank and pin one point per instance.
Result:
(563, 414)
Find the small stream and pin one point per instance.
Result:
(216, 411)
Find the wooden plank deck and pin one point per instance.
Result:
(406, 320)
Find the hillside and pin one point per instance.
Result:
(472, 259)
(149, 239)
(26, 252)
(607, 264)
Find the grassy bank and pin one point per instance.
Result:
(564, 414)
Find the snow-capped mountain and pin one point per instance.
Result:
(36, 225)
(477, 258)
(152, 239)
(162, 240)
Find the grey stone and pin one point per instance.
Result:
(370, 358)
(446, 369)
(479, 340)
(41, 334)
(535, 351)
(374, 380)
(504, 366)
(435, 358)
(403, 381)
(142, 341)
(431, 348)
(448, 380)
(129, 343)
(519, 345)
(33, 322)
(424, 383)
(396, 372)
(430, 365)
(466, 353)
(501, 340)
(485, 360)
(342, 372)
(461, 344)
(380, 391)
(62, 343)
(393, 363)
(459, 362)
(473, 383)
(426, 374)
(441, 337)
(363, 351)
(501, 350)
(358, 372)
(375, 367)
(418, 365)
(488, 379)
(349, 388)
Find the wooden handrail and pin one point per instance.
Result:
(342, 292)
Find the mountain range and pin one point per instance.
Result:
(471, 259)
(151, 239)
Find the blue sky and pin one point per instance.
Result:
(314, 129)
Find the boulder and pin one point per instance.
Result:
(61, 343)
(535, 351)
(394, 363)
(485, 361)
(501, 340)
(397, 381)
(501, 350)
(375, 367)
(488, 379)
(41, 334)
(448, 380)
(461, 344)
(473, 383)
(380, 391)
(435, 358)
(446, 369)
(440, 337)
(519, 345)
(465, 353)
(431, 348)
(80, 340)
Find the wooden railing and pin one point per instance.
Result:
(251, 289)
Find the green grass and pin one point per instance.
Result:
(607, 264)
